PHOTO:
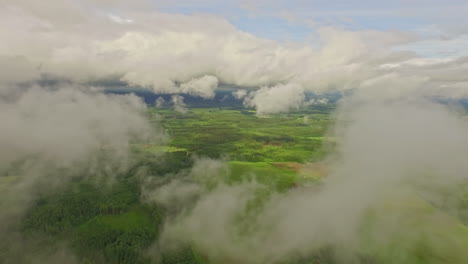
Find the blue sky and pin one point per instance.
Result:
(295, 20)
(354, 14)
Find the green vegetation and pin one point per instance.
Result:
(104, 226)
(263, 172)
(119, 238)
(109, 223)
(157, 149)
(215, 132)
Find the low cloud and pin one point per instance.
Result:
(192, 54)
(317, 101)
(183, 189)
(159, 102)
(204, 86)
(276, 99)
(50, 135)
(178, 103)
(239, 93)
(387, 152)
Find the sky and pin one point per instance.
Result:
(296, 20)
(442, 25)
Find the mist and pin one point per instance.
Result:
(51, 136)
(392, 158)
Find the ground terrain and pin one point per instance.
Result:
(108, 223)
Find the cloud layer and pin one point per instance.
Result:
(192, 54)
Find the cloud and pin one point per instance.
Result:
(181, 190)
(178, 103)
(159, 102)
(69, 123)
(51, 135)
(119, 20)
(181, 48)
(239, 93)
(204, 86)
(192, 54)
(317, 101)
(276, 99)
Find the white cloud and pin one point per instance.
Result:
(159, 102)
(321, 101)
(119, 20)
(204, 86)
(240, 93)
(178, 103)
(67, 124)
(181, 48)
(191, 54)
(50, 136)
(276, 99)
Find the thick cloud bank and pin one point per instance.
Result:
(276, 99)
(192, 54)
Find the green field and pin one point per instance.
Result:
(242, 136)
